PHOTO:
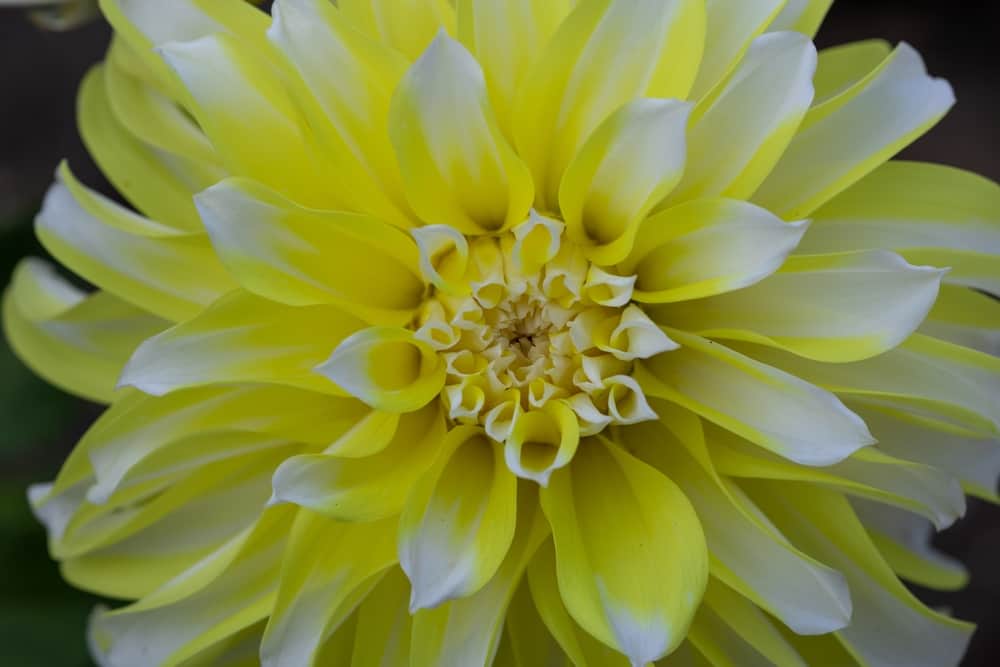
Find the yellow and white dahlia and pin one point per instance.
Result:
(514, 332)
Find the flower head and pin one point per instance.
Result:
(453, 332)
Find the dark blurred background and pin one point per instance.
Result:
(42, 619)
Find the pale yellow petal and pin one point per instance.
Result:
(842, 66)
(615, 522)
(765, 405)
(652, 46)
(457, 167)
(706, 247)
(833, 308)
(328, 568)
(626, 167)
(408, 26)
(803, 16)
(282, 251)
(241, 338)
(458, 522)
(846, 137)
(77, 341)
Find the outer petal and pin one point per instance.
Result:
(730, 27)
(845, 138)
(965, 317)
(840, 67)
(769, 407)
(929, 213)
(237, 94)
(77, 341)
(739, 132)
(142, 438)
(943, 379)
(458, 522)
(561, 101)
(457, 167)
(834, 308)
(803, 16)
(349, 79)
(904, 540)
(229, 591)
(382, 637)
(889, 626)
(804, 594)
(467, 631)
(581, 647)
(868, 474)
(387, 368)
(970, 456)
(169, 274)
(626, 167)
(241, 338)
(328, 569)
(301, 256)
(616, 522)
(707, 247)
(142, 175)
(368, 488)
(406, 25)
(506, 36)
(136, 541)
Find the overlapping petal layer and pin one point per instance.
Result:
(516, 333)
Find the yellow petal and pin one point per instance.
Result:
(742, 632)
(803, 16)
(142, 438)
(804, 594)
(458, 522)
(237, 94)
(349, 79)
(615, 522)
(408, 26)
(965, 317)
(772, 408)
(301, 256)
(943, 379)
(506, 36)
(626, 167)
(845, 138)
(868, 474)
(833, 308)
(241, 338)
(889, 626)
(329, 567)
(730, 27)
(904, 540)
(706, 247)
(842, 66)
(231, 590)
(467, 631)
(77, 341)
(382, 637)
(561, 101)
(457, 167)
(530, 643)
(168, 273)
(387, 368)
(739, 132)
(970, 456)
(542, 441)
(367, 488)
(137, 541)
(581, 647)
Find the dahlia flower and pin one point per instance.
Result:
(513, 332)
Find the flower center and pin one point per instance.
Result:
(523, 321)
